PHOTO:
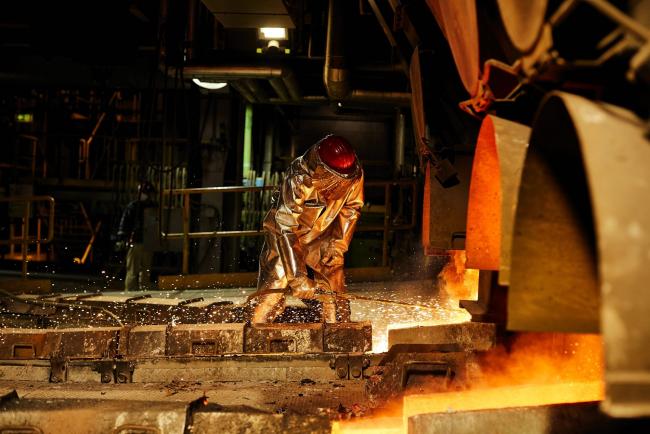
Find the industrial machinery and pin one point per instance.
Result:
(529, 150)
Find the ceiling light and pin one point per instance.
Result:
(273, 33)
(211, 85)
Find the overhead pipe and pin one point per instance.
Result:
(232, 72)
(400, 141)
(283, 80)
(190, 34)
(336, 76)
(376, 96)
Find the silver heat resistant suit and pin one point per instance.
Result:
(310, 225)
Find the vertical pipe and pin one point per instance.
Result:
(248, 136)
(38, 237)
(293, 146)
(25, 236)
(12, 236)
(34, 144)
(186, 230)
(400, 139)
(335, 74)
(192, 11)
(387, 212)
(268, 151)
(44, 141)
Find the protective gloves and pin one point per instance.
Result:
(331, 255)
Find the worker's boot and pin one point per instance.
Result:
(267, 307)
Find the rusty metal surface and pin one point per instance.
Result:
(407, 367)
(496, 173)
(593, 266)
(284, 338)
(512, 142)
(205, 339)
(523, 21)
(457, 20)
(348, 337)
(248, 406)
(145, 341)
(21, 343)
(470, 336)
(88, 343)
(614, 141)
(151, 341)
(444, 214)
(86, 416)
(553, 280)
(280, 367)
(249, 420)
(564, 418)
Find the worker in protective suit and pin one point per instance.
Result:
(307, 232)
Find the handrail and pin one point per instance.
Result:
(186, 235)
(224, 189)
(25, 240)
(28, 200)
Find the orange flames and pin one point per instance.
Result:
(529, 369)
(456, 281)
(533, 369)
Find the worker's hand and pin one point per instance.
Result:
(331, 256)
(120, 246)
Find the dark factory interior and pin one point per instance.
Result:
(325, 216)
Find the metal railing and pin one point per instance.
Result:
(25, 240)
(386, 227)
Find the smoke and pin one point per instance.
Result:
(542, 358)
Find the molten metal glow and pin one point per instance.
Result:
(534, 369)
(375, 425)
(503, 397)
(455, 283)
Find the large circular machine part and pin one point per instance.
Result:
(496, 173)
(458, 22)
(523, 21)
(581, 243)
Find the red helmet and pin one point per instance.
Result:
(337, 153)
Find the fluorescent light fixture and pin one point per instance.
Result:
(211, 85)
(273, 33)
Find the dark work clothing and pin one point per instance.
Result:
(138, 268)
(132, 222)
